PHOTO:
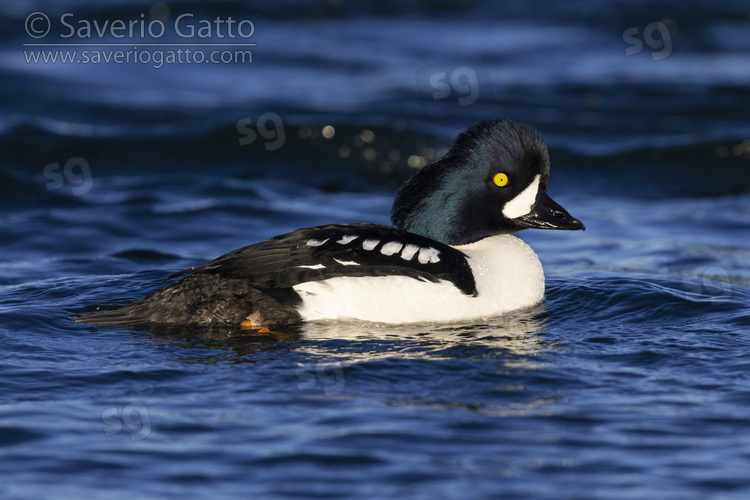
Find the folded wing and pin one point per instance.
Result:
(353, 250)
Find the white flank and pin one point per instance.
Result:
(370, 244)
(316, 243)
(316, 266)
(347, 239)
(347, 262)
(428, 255)
(391, 247)
(508, 276)
(409, 251)
(523, 202)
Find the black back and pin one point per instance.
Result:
(275, 263)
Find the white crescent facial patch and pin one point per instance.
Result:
(523, 201)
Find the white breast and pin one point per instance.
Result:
(508, 276)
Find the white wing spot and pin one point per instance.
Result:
(428, 254)
(347, 239)
(409, 251)
(347, 262)
(391, 247)
(316, 266)
(370, 244)
(523, 201)
(316, 243)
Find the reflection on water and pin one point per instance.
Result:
(483, 368)
(514, 335)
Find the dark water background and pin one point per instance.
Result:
(631, 380)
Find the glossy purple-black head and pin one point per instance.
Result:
(493, 180)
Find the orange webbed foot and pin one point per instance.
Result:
(248, 325)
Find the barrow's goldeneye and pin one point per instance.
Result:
(450, 256)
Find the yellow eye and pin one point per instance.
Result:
(500, 179)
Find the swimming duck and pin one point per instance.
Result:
(450, 256)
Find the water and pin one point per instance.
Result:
(629, 381)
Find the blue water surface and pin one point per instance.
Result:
(630, 380)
